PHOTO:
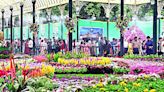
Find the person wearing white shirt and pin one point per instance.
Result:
(162, 46)
(30, 45)
(126, 46)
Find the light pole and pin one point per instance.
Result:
(107, 15)
(11, 25)
(77, 16)
(154, 3)
(49, 20)
(2, 19)
(62, 26)
(121, 30)
(33, 3)
(159, 25)
(21, 26)
(70, 33)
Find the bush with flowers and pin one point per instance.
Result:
(145, 57)
(85, 61)
(14, 78)
(140, 84)
(40, 58)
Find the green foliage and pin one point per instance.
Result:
(149, 84)
(71, 70)
(43, 13)
(2, 56)
(41, 84)
(145, 10)
(49, 57)
(115, 12)
(55, 11)
(56, 57)
(162, 12)
(4, 48)
(121, 70)
(139, 56)
(93, 9)
(66, 11)
(70, 55)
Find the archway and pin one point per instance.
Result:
(162, 11)
(92, 10)
(115, 12)
(145, 12)
(66, 11)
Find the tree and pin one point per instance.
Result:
(55, 11)
(162, 12)
(115, 12)
(66, 11)
(43, 13)
(92, 10)
(145, 10)
(16, 21)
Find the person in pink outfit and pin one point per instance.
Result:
(27, 50)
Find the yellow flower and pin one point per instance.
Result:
(126, 90)
(8, 68)
(137, 84)
(103, 89)
(152, 90)
(100, 84)
(94, 86)
(27, 67)
(122, 83)
(146, 76)
(146, 90)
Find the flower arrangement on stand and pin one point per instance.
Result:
(69, 23)
(122, 24)
(34, 28)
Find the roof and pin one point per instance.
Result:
(42, 4)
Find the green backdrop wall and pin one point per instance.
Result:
(55, 29)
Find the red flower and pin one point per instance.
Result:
(2, 73)
(24, 72)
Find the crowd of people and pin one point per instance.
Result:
(100, 47)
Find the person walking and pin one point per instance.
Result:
(130, 48)
(113, 44)
(149, 46)
(27, 50)
(101, 44)
(162, 47)
(43, 47)
(135, 46)
(30, 45)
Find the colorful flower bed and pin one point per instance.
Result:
(4, 52)
(145, 57)
(131, 83)
(139, 67)
(85, 61)
(44, 73)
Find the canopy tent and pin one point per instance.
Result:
(42, 4)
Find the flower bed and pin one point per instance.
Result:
(85, 61)
(141, 83)
(4, 53)
(145, 57)
(29, 74)
(140, 67)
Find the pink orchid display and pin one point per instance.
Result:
(140, 67)
(134, 31)
(40, 58)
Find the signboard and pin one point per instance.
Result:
(90, 32)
